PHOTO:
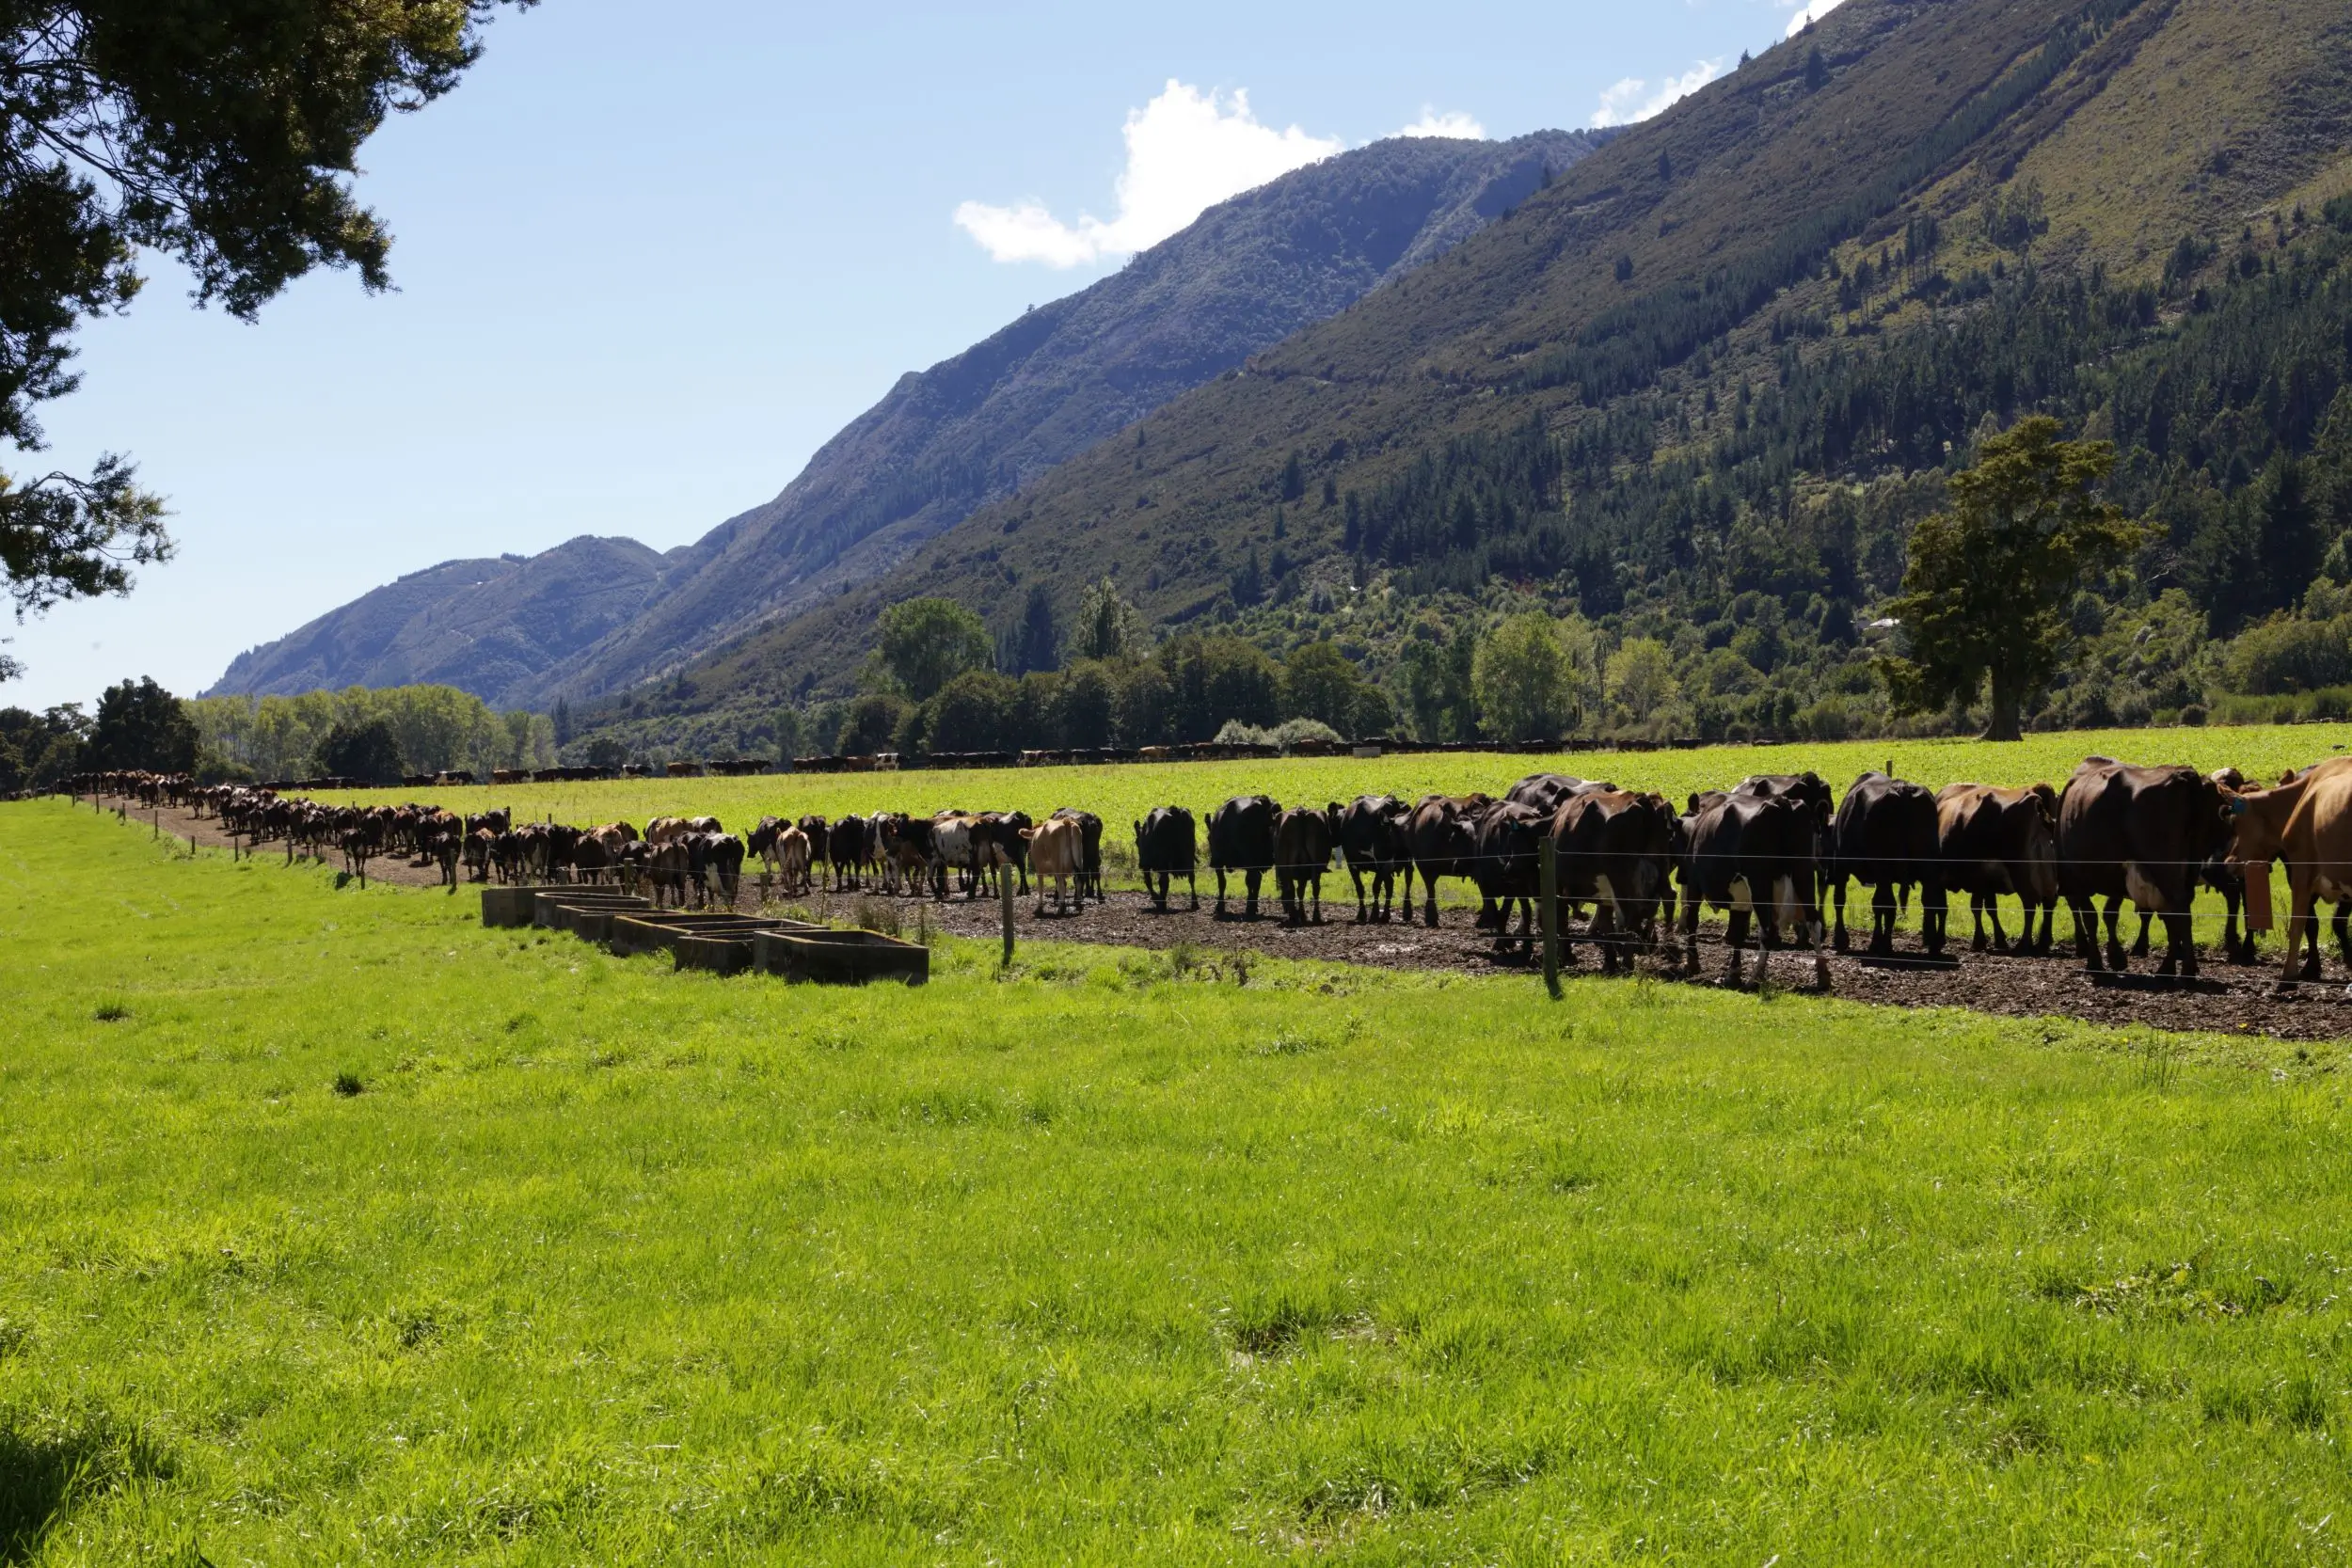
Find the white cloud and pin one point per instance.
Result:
(1634, 100)
(1455, 123)
(1186, 150)
(1808, 14)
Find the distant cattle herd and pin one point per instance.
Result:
(1775, 854)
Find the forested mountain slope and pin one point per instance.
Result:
(1729, 357)
(979, 426)
(484, 627)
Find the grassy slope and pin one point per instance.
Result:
(2125, 145)
(1099, 1265)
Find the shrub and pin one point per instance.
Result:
(2289, 655)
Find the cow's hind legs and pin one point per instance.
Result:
(1736, 938)
(2086, 930)
(2115, 941)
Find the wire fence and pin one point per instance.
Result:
(2215, 913)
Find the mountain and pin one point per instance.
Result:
(486, 627)
(977, 427)
(1646, 390)
(1245, 274)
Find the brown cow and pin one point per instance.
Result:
(2307, 824)
(2139, 834)
(1999, 843)
(1442, 837)
(1057, 847)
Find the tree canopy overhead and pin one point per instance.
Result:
(222, 133)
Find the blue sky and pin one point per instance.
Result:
(649, 258)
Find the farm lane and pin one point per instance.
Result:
(2230, 1000)
(206, 830)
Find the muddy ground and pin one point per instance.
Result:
(2225, 999)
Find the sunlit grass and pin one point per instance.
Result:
(1120, 1257)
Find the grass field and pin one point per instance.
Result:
(335, 1228)
(1122, 795)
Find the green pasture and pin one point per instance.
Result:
(1122, 794)
(335, 1228)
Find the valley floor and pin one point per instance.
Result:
(337, 1228)
(2232, 998)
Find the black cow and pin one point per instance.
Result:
(1547, 792)
(715, 864)
(845, 846)
(1241, 841)
(1303, 840)
(2142, 833)
(1376, 841)
(1165, 850)
(1615, 851)
(1508, 869)
(1885, 836)
(1753, 854)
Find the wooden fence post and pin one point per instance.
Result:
(1548, 858)
(1004, 887)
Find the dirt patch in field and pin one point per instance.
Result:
(2225, 999)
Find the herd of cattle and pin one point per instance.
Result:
(1771, 854)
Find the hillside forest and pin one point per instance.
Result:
(1701, 579)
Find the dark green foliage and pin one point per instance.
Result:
(1035, 643)
(975, 712)
(927, 643)
(139, 725)
(1319, 683)
(38, 750)
(1214, 680)
(367, 752)
(2290, 655)
(871, 724)
(2210, 416)
(1983, 597)
(222, 133)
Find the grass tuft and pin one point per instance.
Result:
(348, 1083)
(112, 1010)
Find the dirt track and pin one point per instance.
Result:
(2226, 999)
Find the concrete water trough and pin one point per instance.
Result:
(829, 957)
(659, 931)
(535, 906)
(594, 922)
(507, 906)
(727, 952)
(549, 906)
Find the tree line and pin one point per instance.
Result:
(377, 735)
